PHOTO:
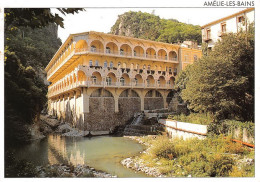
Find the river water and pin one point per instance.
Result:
(101, 152)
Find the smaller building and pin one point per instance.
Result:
(213, 31)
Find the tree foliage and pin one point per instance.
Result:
(152, 27)
(35, 17)
(30, 42)
(222, 82)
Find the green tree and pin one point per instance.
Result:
(222, 83)
(30, 42)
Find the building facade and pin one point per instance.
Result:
(98, 81)
(234, 23)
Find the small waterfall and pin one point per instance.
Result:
(137, 119)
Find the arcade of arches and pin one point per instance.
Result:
(99, 81)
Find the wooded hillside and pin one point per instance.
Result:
(152, 27)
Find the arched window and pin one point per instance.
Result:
(148, 82)
(96, 63)
(135, 81)
(118, 65)
(144, 66)
(93, 49)
(170, 69)
(94, 79)
(108, 50)
(121, 52)
(134, 53)
(105, 64)
(122, 81)
(166, 68)
(149, 67)
(108, 80)
(90, 63)
(158, 82)
(111, 64)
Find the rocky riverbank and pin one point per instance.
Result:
(62, 170)
(137, 164)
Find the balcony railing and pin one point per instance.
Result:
(162, 57)
(172, 59)
(94, 50)
(109, 84)
(150, 56)
(139, 55)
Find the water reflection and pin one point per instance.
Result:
(103, 153)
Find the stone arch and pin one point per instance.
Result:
(153, 100)
(101, 92)
(162, 54)
(169, 97)
(172, 81)
(111, 78)
(96, 46)
(138, 79)
(111, 48)
(96, 78)
(150, 81)
(173, 56)
(81, 76)
(81, 45)
(161, 81)
(125, 50)
(129, 93)
(126, 78)
(150, 53)
(149, 94)
(138, 51)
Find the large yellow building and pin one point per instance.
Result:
(98, 80)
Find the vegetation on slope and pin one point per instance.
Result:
(152, 27)
(211, 157)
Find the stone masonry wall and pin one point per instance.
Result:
(102, 116)
(153, 103)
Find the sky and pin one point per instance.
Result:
(102, 19)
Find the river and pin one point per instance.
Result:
(101, 152)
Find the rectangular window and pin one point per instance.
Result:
(223, 27)
(208, 33)
(240, 19)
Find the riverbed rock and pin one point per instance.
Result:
(52, 122)
(62, 170)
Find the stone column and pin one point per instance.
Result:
(75, 102)
(164, 101)
(56, 108)
(64, 106)
(85, 101)
(142, 103)
(116, 103)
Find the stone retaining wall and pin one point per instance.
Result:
(153, 103)
(102, 116)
